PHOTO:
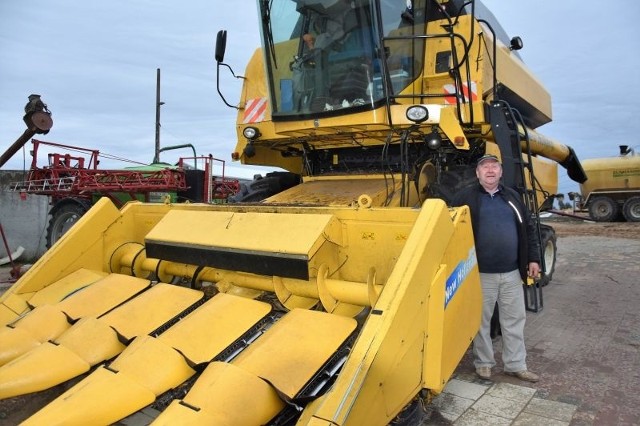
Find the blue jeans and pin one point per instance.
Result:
(506, 289)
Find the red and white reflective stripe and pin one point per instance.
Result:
(254, 110)
(450, 89)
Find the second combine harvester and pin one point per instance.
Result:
(347, 297)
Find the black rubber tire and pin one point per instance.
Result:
(603, 209)
(63, 217)
(451, 182)
(414, 413)
(549, 253)
(631, 209)
(263, 187)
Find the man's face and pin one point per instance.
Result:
(489, 173)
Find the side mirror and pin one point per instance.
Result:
(221, 45)
(516, 43)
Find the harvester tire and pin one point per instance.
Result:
(549, 252)
(631, 209)
(603, 209)
(63, 216)
(263, 187)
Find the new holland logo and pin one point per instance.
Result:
(457, 277)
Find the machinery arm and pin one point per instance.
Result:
(38, 120)
(563, 154)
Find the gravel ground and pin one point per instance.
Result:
(569, 226)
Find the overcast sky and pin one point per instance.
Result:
(94, 64)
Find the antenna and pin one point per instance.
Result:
(156, 157)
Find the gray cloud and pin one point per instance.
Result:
(94, 63)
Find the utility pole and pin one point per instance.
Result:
(156, 158)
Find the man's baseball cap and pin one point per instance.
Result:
(487, 157)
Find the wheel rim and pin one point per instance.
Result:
(603, 208)
(63, 224)
(549, 257)
(635, 210)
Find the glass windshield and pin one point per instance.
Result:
(324, 55)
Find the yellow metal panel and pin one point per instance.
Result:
(92, 340)
(338, 191)
(546, 177)
(295, 348)
(454, 306)
(107, 395)
(611, 173)
(155, 365)
(151, 309)
(81, 293)
(64, 410)
(103, 295)
(433, 353)
(279, 233)
(231, 316)
(513, 74)
(384, 370)
(15, 342)
(224, 392)
(65, 286)
(12, 306)
(95, 340)
(85, 241)
(7, 315)
(451, 127)
(44, 323)
(32, 371)
(152, 363)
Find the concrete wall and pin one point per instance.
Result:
(24, 220)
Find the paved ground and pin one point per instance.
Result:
(585, 344)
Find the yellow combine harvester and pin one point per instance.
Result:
(350, 293)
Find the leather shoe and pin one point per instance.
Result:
(484, 372)
(525, 375)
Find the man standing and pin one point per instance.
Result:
(508, 252)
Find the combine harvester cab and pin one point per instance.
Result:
(348, 298)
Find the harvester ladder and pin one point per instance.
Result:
(504, 123)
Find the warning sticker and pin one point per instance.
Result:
(254, 110)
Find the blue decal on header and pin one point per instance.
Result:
(458, 275)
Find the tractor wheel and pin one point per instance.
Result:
(263, 187)
(548, 253)
(63, 218)
(631, 209)
(603, 209)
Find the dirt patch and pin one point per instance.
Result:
(15, 410)
(579, 226)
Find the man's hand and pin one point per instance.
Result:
(534, 270)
